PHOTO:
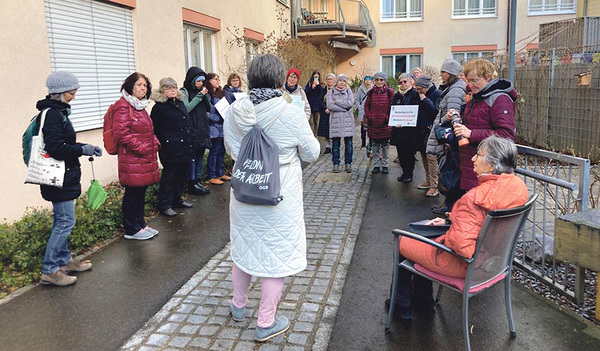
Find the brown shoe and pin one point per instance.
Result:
(423, 186)
(77, 265)
(225, 177)
(59, 278)
(215, 181)
(432, 192)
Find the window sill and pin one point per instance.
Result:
(550, 13)
(474, 17)
(392, 20)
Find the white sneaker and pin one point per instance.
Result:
(140, 235)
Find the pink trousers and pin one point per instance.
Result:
(270, 293)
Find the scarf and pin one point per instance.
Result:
(135, 102)
(402, 92)
(290, 89)
(258, 95)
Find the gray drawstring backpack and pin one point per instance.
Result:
(255, 178)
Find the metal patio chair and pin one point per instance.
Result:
(490, 264)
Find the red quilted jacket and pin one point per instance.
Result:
(377, 112)
(494, 192)
(138, 147)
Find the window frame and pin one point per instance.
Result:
(408, 67)
(480, 15)
(480, 54)
(542, 12)
(253, 44)
(187, 27)
(399, 19)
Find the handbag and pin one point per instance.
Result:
(43, 169)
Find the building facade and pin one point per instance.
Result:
(102, 42)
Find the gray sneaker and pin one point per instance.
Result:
(140, 235)
(237, 314)
(336, 168)
(348, 168)
(151, 230)
(280, 325)
(59, 278)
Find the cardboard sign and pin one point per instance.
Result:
(404, 115)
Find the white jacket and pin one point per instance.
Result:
(270, 241)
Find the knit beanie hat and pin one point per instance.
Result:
(293, 70)
(423, 81)
(61, 82)
(341, 76)
(451, 66)
(380, 75)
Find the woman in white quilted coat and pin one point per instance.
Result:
(269, 241)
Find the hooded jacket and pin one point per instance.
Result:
(138, 146)
(197, 106)
(173, 128)
(341, 119)
(270, 241)
(61, 143)
(494, 192)
(490, 111)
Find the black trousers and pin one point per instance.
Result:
(171, 184)
(421, 294)
(133, 209)
(406, 155)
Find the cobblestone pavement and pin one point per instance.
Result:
(197, 316)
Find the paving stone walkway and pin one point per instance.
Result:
(197, 316)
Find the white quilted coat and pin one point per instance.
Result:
(270, 241)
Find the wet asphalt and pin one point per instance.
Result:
(361, 318)
(129, 282)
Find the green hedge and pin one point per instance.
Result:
(23, 242)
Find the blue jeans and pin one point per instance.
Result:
(57, 253)
(195, 170)
(335, 150)
(215, 159)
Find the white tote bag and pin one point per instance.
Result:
(42, 168)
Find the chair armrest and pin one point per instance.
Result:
(399, 232)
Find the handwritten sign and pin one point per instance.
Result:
(405, 115)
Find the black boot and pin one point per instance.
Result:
(201, 188)
(327, 150)
(194, 189)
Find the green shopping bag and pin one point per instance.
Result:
(96, 195)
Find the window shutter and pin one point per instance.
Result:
(94, 41)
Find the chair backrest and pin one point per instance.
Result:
(496, 243)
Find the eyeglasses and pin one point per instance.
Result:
(380, 80)
(215, 78)
(403, 81)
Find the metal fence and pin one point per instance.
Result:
(562, 184)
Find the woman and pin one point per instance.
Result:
(291, 86)
(234, 83)
(323, 130)
(453, 97)
(216, 156)
(137, 147)
(498, 188)
(197, 104)
(313, 91)
(404, 138)
(61, 144)
(361, 96)
(377, 116)
(491, 110)
(276, 233)
(173, 128)
(340, 100)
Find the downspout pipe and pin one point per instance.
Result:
(511, 50)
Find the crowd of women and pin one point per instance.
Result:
(185, 123)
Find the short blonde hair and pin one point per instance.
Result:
(480, 67)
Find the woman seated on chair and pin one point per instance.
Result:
(498, 188)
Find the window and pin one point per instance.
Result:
(394, 65)
(551, 7)
(401, 10)
(251, 50)
(284, 2)
(199, 48)
(464, 57)
(473, 8)
(94, 41)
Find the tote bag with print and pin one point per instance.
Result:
(43, 169)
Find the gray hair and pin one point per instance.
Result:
(500, 153)
(404, 75)
(167, 82)
(266, 71)
(59, 97)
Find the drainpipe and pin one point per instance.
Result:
(585, 2)
(511, 50)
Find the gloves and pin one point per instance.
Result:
(91, 150)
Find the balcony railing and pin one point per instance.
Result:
(341, 14)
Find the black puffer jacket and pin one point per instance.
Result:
(198, 107)
(61, 144)
(173, 128)
(406, 134)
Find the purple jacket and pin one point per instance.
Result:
(490, 111)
